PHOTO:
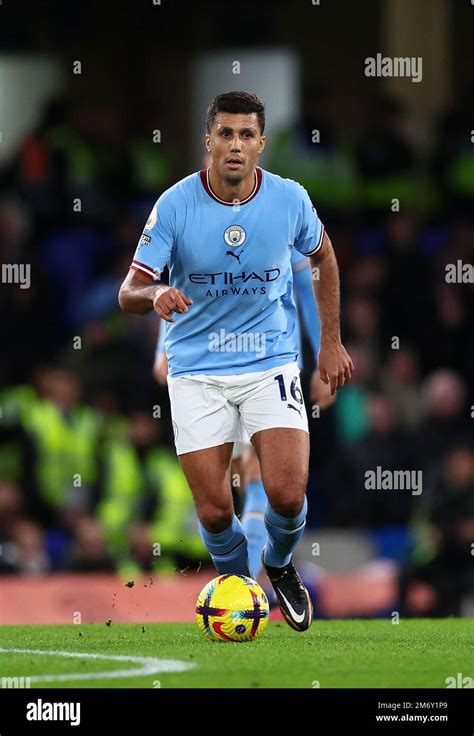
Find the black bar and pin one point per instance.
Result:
(320, 711)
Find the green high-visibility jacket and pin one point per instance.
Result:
(66, 448)
(174, 528)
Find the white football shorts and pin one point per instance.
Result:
(212, 410)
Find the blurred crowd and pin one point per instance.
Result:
(88, 475)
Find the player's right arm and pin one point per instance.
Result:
(139, 296)
(139, 292)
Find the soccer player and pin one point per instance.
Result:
(244, 460)
(226, 234)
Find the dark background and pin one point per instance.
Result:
(408, 408)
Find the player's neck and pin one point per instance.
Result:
(231, 192)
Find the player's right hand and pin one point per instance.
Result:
(170, 300)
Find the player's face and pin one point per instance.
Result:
(235, 142)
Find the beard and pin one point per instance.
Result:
(233, 177)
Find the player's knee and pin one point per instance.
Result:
(286, 496)
(216, 518)
(289, 507)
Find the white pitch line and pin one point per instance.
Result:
(150, 665)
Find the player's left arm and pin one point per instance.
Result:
(335, 364)
(319, 392)
(307, 304)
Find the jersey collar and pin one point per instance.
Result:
(204, 174)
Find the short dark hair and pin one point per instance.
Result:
(235, 102)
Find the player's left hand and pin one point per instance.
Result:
(335, 364)
(320, 392)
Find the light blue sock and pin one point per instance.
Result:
(283, 535)
(228, 549)
(254, 525)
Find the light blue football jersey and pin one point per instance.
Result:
(234, 262)
(307, 310)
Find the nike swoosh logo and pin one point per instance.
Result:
(298, 617)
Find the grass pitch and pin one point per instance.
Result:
(415, 653)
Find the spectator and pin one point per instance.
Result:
(437, 587)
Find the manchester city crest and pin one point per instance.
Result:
(235, 235)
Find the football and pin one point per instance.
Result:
(232, 608)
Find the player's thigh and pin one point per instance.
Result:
(202, 415)
(207, 473)
(273, 399)
(283, 453)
